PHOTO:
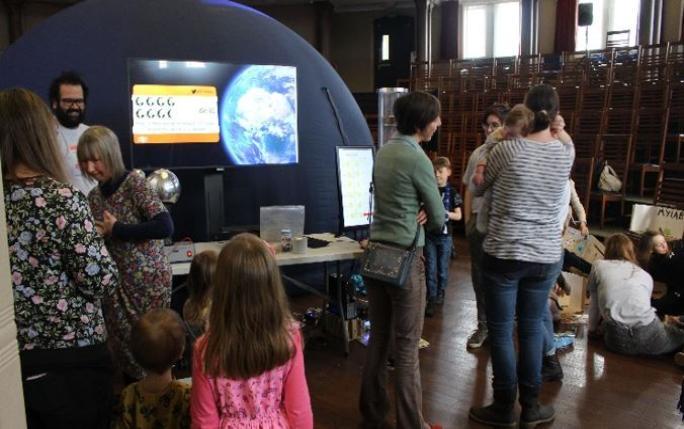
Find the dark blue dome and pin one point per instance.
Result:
(96, 37)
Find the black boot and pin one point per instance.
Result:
(430, 308)
(533, 413)
(500, 413)
(551, 368)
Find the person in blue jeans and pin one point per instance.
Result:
(528, 177)
(438, 246)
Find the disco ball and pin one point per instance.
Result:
(165, 184)
(139, 172)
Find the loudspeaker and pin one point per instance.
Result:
(586, 15)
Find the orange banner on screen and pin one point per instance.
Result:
(175, 114)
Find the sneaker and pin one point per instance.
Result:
(430, 308)
(440, 297)
(478, 337)
(561, 342)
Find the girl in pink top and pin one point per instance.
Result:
(248, 369)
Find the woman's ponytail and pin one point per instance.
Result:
(543, 101)
(541, 120)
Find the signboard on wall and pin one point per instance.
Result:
(666, 220)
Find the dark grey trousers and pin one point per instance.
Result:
(395, 312)
(475, 240)
(655, 338)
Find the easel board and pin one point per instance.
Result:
(355, 174)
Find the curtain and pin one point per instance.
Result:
(566, 26)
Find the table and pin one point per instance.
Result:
(340, 249)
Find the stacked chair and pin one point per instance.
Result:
(623, 106)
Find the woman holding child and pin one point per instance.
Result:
(528, 178)
(133, 221)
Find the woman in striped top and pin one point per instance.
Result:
(527, 177)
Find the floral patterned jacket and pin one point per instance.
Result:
(60, 266)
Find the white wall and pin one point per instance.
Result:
(547, 25)
(11, 394)
(672, 20)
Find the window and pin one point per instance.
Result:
(609, 15)
(384, 55)
(491, 28)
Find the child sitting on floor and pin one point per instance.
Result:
(156, 401)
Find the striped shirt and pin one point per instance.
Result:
(528, 180)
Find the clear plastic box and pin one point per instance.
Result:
(273, 219)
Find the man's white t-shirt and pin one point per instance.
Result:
(68, 142)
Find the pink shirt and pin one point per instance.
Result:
(278, 398)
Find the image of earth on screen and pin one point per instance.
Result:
(189, 114)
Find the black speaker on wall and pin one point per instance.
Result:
(586, 15)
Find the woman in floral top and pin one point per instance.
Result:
(61, 271)
(133, 221)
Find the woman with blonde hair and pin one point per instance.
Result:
(61, 271)
(133, 221)
(248, 369)
(621, 304)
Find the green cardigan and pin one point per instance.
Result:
(404, 181)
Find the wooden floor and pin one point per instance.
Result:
(600, 390)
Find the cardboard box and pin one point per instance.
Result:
(333, 326)
(575, 302)
(590, 248)
(668, 221)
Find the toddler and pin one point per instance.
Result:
(517, 124)
(156, 401)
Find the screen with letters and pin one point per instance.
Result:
(190, 114)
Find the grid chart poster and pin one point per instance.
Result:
(355, 172)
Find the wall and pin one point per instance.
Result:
(547, 25)
(672, 20)
(4, 28)
(11, 395)
(351, 49)
(299, 18)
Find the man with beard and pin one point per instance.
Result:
(68, 95)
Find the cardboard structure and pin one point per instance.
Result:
(588, 248)
(668, 221)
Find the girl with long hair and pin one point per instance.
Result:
(665, 263)
(248, 369)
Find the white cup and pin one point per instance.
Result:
(299, 244)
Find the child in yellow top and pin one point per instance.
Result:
(156, 401)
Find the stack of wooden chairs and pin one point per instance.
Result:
(623, 106)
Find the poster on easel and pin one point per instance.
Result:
(355, 174)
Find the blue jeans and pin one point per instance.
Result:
(513, 285)
(547, 330)
(437, 252)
